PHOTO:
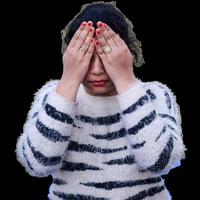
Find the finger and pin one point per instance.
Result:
(101, 38)
(90, 51)
(106, 34)
(100, 51)
(77, 33)
(116, 38)
(81, 38)
(87, 41)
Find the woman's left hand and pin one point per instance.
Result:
(116, 57)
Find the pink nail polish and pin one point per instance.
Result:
(91, 29)
(98, 31)
(84, 24)
(100, 24)
(90, 23)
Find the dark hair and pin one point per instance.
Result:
(106, 12)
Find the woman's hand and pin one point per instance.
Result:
(76, 60)
(116, 57)
(77, 56)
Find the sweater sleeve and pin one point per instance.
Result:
(41, 146)
(153, 123)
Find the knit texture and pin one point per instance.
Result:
(103, 148)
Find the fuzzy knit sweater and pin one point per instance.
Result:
(103, 148)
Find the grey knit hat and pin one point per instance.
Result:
(134, 44)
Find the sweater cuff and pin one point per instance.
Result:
(131, 95)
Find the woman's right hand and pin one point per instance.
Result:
(76, 60)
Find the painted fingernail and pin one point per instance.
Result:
(98, 31)
(99, 24)
(91, 29)
(90, 23)
(92, 40)
(84, 24)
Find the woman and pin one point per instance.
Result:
(100, 132)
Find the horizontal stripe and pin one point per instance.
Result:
(144, 99)
(120, 184)
(147, 193)
(164, 157)
(108, 120)
(168, 116)
(142, 123)
(58, 181)
(57, 115)
(111, 136)
(121, 161)
(70, 166)
(49, 133)
(44, 160)
(138, 145)
(75, 146)
(66, 196)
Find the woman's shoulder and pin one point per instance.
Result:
(156, 86)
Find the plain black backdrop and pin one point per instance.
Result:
(32, 46)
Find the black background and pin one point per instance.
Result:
(32, 56)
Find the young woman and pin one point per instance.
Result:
(99, 131)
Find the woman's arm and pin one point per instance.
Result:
(153, 122)
(46, 132)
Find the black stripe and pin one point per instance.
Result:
(168, 100)
(162, 132)
(69, 166)
(108, 120)
(121, 161)
(57, 115)
(170, 127)
(150, 94)
(147, 193)
(66, 196)
(120, 184)
(142, 123)
(45, 99)
(164, 157)
(35, 115)
(111, 136)
(75, 146)
(139, 103)
(168, 116)
(26, 158)
(138, 145)
(49, 133)
(46, 161)
(59, 181)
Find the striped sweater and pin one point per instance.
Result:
(103, 148)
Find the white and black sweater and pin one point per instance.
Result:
(103, 148)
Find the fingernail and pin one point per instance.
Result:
(90, 23)
(92, 40)
(91, 29)
(84, 24)
(98, 31)
(97, 43)
(99, 24)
